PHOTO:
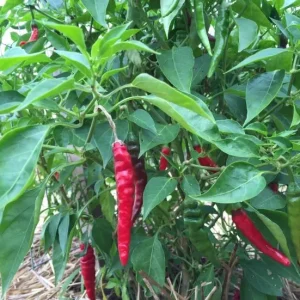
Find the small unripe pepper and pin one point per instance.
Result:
(197, 235)
(124, 174)
(293, 209)
(140, 176)
(87, 265)
(245, 225)
(163, 163)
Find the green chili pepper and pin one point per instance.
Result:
(293, 208)
(197, 235)
(200, 24)
(222, 26)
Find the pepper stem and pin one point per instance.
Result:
(109, 119)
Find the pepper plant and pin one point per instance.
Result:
(216, 82)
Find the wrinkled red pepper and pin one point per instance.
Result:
(34, 36)
(124, 174)
(245, 225)
(274, 186)
(87, 265)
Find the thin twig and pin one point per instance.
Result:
(150, 289)
(211, 293)
(172, 288)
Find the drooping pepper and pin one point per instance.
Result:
(293, 209)
(163, 163)
(200, 24)
(140, 176)
(245, 225)
(34, 35)
(205, 161)
(221, 30)
(87, 265)
(193, 221)
(124, 174)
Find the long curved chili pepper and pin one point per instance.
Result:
(87, 265)
(163, 163)
(200, 24)
(34, 35)
(124, 174)
(140, 177)
(205, 161)
(293, 209)
(221, 30)
(245, 225)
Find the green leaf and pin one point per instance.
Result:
(110, 73)
(251, 11)
(58, 41)
(63, 232)
(77, 60)
(276, 231)
(260, 92)
(239, 146)
(188, 119)
(102, 234)
(190, 185)
(103, 138)
(167, 6)
(258, 127)
(177, 65)
(51, 230)
(17, 232)
(247, 32)
(10, 4)
(260, 56)
(129, 45)
(200, 69)
(97, 9)
(107, 203)
(163, 90)
(45, 89)
(165, 134)
(9, 100)
(19, 152)
(143, 119)
(260, 278)
(74, 33)
(149, 257)
(169, 18)
(18, 55)
(248, 292)
(239, 182)
(267, 199)
(157, 189)
(230, 126)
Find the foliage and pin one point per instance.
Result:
(142, 61)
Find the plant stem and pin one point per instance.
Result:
(60, 149)
(91, 131)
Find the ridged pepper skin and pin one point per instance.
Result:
(293, 209)
(205, 161)
(163, 163)
(124, 174)
(140, 177)
(87, 265)
(245, 225)
(33, 37)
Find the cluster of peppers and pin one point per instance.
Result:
(131, 179)
(203, 160)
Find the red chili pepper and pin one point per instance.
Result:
(34, 36)
(236, 295)
(205, 161)
(245, 225)
(163, 163)
(124, 173)
(87, 264)
(274, 186)
(140, 177)
(56, 175)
